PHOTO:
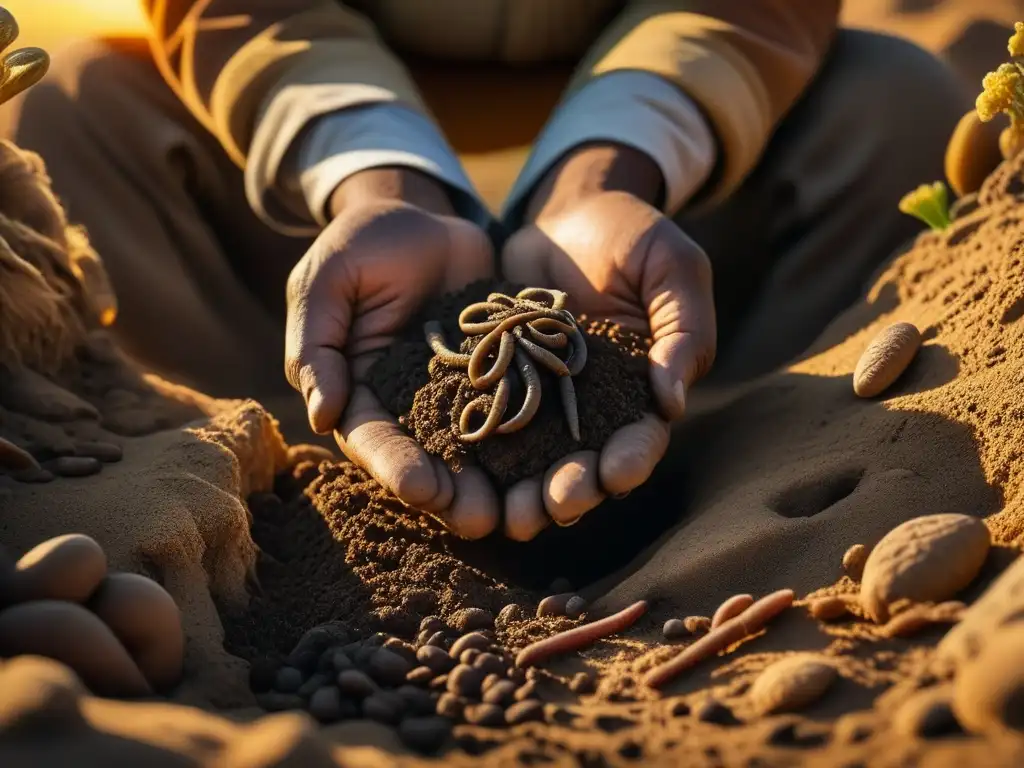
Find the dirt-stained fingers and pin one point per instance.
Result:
(572, 488)
(631, 454)
(475, 510)
(525, 515)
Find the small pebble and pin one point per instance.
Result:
(828, 608)
(384, 707)
(438, 639)
(424, 734)
(431, 624)
(527, 690)
(712, 711)
(421, 675)
(417, 701)
(388, 668)
(516, 675)
(439, 683)
(989, 689)
(926, 559)
(527, 711)
(885, 359)
(288, 680)
(465, 680)
(489, 681)
(501, 693)
(554, 605)
(464, 643)
(435, 658)
(791, 684)
(697, 625)
(583, 682)
(108, 453)
(326, 705)
(488, 715)
(450, 705)
(315, 682)
(275, 701)
(406, 650)
(76, 466)
(471, 619)
(489, 664)
(674, 629)
(575, 607)
(469, 655)
(340, 661)
(854, 560)
(510, 614)
(355, 683)
(679, 708)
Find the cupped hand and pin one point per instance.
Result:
(393, 244)
(618, 258)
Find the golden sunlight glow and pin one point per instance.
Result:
(47, 23)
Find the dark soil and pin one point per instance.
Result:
(428, 396)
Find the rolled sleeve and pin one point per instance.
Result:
(639, 110)
(292, 174)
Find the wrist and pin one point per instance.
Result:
(394, 184)
(592, 169)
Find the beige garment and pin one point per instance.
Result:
(200, 279)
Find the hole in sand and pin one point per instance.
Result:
(1013, 312)
(613, 724)
(818, 494)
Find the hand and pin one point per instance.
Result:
(394, 242)
(593, 233)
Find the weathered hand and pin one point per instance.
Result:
(393, 244)
(618, 258)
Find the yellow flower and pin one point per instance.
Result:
(929, 203)
(1016, 45)
(1003, 92)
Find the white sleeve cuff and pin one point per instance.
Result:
(639, 110)
(291, 173)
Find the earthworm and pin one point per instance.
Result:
(578, 357)
(577, 638)
(568, 392)
(721, 637)
(506, 349)
(471, 328)
(531, 401)
(500, 298)
(548, 359)
(734, 606)
(556, 340)
(484, 346)
(435, 338)
(493, 415)
(557, 298)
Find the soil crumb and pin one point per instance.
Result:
(428, 396)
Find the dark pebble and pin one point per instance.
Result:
(500, 693)
(510, 614)
(527, 711)
(315, 682)
(472, 640)
(716, 712)
(316, 641)
(554, 605)
(489, 715)
(327, 706)
(406, 650)
(489, 681)
(439, 683)
(417, 701)
(422, 637)
(469, 655)
(470, 619)
(364, 654)
(424, 734)
(431, 624)
(527, 690)
(575, 607)
(420, 676)
(356, 684)
(675, 629)
(76, 466)
(288, 680)
(489, 664)
(388, 668)
(435, 658)
(340, 661)
(376, 640)
(450, 705)
(384, 707)
(274, 701)
(583, 682)
(465, 680)
(516, 675)
(34, 475)
(438, 639)
(262, 673)
(108, 453)
(679, 709)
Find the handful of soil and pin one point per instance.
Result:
(429, 396)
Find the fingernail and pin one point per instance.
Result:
(679, 390)
(622, 495)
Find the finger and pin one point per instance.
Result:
(676, 288)
(572, 488)
(372, 438)
(474, 512)
(524, 510)
(631, 453)
(316, 331)
(471, 255)
(522, 259)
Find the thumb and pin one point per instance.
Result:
(523, 257)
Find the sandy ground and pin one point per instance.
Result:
(768, 507)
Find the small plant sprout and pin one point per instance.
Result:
(1003, 91)
(929, 203)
